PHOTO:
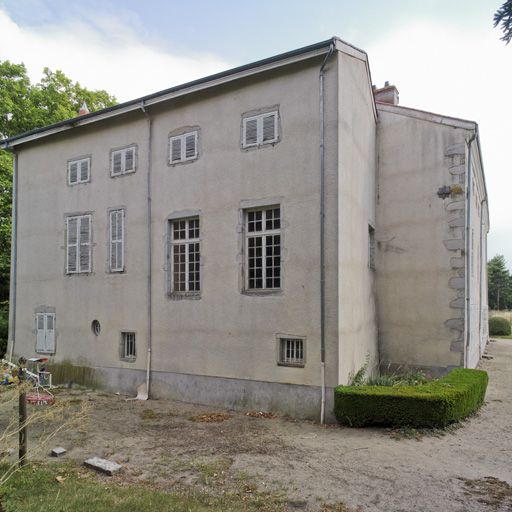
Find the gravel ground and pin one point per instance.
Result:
(176, 445)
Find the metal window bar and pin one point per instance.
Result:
(293, 351)
(129, 345)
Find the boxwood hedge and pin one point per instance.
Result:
(435, 404)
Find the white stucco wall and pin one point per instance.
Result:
(203, 349)
(421, 239)
(357, 331)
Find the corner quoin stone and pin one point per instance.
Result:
(104, 466)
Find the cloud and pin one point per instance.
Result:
(460, 74)
(101, 53)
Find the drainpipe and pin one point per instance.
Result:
(468, 253)
(322, 249)
(14, 239)
(148, 371)
(481, 272)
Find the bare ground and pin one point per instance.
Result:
(466, 469)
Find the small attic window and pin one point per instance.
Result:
(79, 171)
(260, 129)
(183, 148)
(123, 161)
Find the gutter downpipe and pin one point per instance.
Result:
(322, 249)
(14, 238)
(148, 370)
(481, 272)
(468, 253)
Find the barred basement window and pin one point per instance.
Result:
(128, 350)
(185, 255)
(79, 171)
(263, 249)
(183, 148)
(260, 129)
(291, 351)
(123, 161)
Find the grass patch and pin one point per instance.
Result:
(407, 432)
(69, 487)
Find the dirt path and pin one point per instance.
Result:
(467, 470)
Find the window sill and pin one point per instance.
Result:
(262, 292)
(292, 365)
(184, 296)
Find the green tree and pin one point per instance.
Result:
(504, 16)
(499, 284)
(25, 107)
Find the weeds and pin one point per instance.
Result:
(408, 432)
(400, 377)
(359, 378)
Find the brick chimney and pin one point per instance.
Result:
(387, 94)
(83, 109)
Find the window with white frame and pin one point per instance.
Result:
(116, 240)
(79, 171)
(185, 256)
(263, 249)
(128, 350)
(183, 148)
(123, 161)
(45, 333)
(260, 129)
(78, 244)
(291, 351)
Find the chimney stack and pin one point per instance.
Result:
(387, 94)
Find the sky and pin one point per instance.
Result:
(444, 56)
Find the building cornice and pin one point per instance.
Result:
(215, 80)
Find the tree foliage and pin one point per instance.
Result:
(499, 284)
(25, 107)
(503, 16)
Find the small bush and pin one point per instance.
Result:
(499, 326)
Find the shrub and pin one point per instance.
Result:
(499, 326)
(435, 404)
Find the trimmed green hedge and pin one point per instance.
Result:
(435, 404)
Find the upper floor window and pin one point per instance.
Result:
(263, 249)
(260, 129)
(123, 161)
(116, 240)
(183, 148)
(185, 256)
(78, 244)
(79, 171)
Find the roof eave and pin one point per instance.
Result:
(237, 73)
